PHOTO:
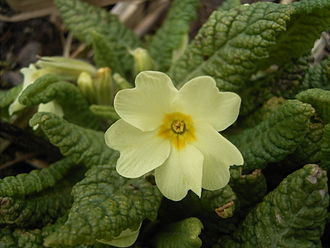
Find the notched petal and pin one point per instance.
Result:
(145, 105)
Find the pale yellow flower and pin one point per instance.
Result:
(30, 74)
(175, 133)
(66, 68)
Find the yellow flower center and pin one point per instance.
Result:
(178, 128)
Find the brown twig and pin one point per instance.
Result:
(79, 49)
(27, 15)
(67, 45)
(37, 163)
(151, 18)
(17, 160)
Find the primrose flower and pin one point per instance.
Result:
(175, 133)
(65, 67)
(30, 74)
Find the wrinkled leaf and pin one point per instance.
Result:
(289, 78)
(325, 148)
(276, 137)
(82, 145)
(229, 4)
(104, 205)
(83, 20)
(20, 238)
(307, 21)
(234, 44)
(249, 188)
(217, 204)
(8, 96)
(309, 151)
(318, 76)
(319, 99)
(262, 113)
(105, 53)
(49, 88)
(169, 37)
(36, 209)
(293, 215)
(36, 180)
(183, 234)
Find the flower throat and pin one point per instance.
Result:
(178, 128)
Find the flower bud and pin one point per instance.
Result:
(86, 87)
(68, 68)
(103, 86)
(52, 107)
(121, 82)
(142, 60)
(30, 74)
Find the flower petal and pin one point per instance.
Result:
(140, 152)
(218, 153)
(52, 107)
(181, 171)
(125, 239)
(30, 74)
(145, 105)
(201, 98)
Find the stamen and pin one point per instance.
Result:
(178, 126)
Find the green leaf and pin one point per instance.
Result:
(318, 76)
(249, 188)
(105, 54)
(293, 215)
(20, 238)
(104, 205)
(309, 151)
(221, 202)
(83, 20)
(297, 75)
(217, 204)
(183, 234)
(229, 4)
(235, 44)
(171, 34)
(36, 209)
(288, 79)
(283, 81)
(308, 20)
(325, 148)
(319, 99)
(262, 113)
(36, 180)
(49, 88)
(8, 96)
(105, 111)
(276, 137)
(82, 145)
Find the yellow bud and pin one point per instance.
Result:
(66, 67)
(85, 85)
(121, 82)
(103, 86)
(142, 60)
